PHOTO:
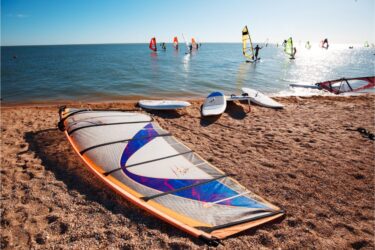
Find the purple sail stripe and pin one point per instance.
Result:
(209, 192)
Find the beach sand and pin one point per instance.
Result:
(302, 158)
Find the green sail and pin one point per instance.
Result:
(289, 47)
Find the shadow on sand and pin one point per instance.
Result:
(165, 114)
(235, 111)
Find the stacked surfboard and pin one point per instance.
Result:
(163, 104)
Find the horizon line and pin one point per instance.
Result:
(75, 44)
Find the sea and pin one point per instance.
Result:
(117, 72)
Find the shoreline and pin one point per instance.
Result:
(135, 99)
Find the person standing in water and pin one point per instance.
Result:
(257, 48)
(294, 53)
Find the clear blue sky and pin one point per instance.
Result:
(25, 22)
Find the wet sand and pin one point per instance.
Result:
(303, 159)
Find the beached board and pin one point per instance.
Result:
(163, 104)
(215, 104)
(149, 167)
(261, 99)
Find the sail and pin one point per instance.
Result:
(367, 44)
(344, 85)
(308, 45)
(247, 45)
(152, 45)
(288, 49)
(175, 42)
(145, 164)
(194, 43)
(324, 43)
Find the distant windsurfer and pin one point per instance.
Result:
(163, 46)
(257, 48)
(325, 43)
(308, 45)
(294, 53)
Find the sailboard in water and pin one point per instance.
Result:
(247, 46)
(342, 85)
(175, 42)
(152, 45)
(289, 49)
(149, 167)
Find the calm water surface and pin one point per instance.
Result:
(121, 71)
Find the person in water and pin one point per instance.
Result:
(257, 48)
(294, 52)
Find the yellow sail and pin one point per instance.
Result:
(247, 45)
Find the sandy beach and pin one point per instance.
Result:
(305, 159)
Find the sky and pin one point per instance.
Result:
(44, 22)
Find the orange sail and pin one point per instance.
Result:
(175, 42)
(194, 43)
(152, 45)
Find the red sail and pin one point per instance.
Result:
(348, 84)
(153, 44)
(175, 42)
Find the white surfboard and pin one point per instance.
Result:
(215, 104)
(163, 104)
(261, 99)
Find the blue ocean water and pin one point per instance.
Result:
(122, 71)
